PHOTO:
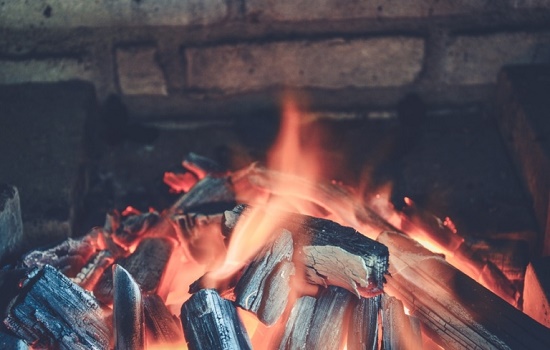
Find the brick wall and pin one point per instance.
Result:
(208, 57)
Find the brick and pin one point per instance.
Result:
(477, 59)
(308, 10)
(84, 13)
(45, 70)
(325, 64)
(139, 73)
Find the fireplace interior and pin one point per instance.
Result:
(132, 132)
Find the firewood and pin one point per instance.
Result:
(327, 327)
(264, 287)
(128, 318)
(298, 323)
(201, 165)
(332, 254)
(454, 309)
(53, 312)
(161, 326)
(398, 332)
(209, 195)
(363, 325)
(210, 322)
(11, 226)
(133, 227)
(146, 265)
(536, 291)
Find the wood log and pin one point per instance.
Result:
(11, 226)
(297, 325)
(128, 318)
(398, 332)
(162, 327)
(201, 166)
(210, 195)
(147, 265)
(53, 312)
(133, 227)
(363, 325)
(332, 254)
(264, 287)
(210, 322)
(454, 309)
(328, 325)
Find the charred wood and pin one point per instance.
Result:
(210, 195)
(128, 318)
(53, 312)
(11, 226)
(146, 265)
(161, 326)
(363, 325)
(133, 227)
(264, 286)
(536, 292)
(327, 328)
(457, 311)
(332, 254)
(297, 326)
(210, 322)
(398, 332)
(201, 165)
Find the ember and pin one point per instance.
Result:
(269, 258)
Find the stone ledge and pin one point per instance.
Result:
(45, 70)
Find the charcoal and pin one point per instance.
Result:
(128, 318)
(162, 327)
(53, 312)
(201, 165)
(147, 265)
(398, 332)
(210, 195)
(326, 330)
(264, 287)
(133, 227)
(10, 342)
(210, 322)
(455, 311)
(90, 274)
(297, 326)
(363, 325)
(11, 226)
(332, 254)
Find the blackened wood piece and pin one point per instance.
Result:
(161, 325)
(128, 318)
(10, 342)
(201, 165)
(134, 226)
(210, 322)
(454, 309)
(397, 330)
(53, 312)
(297, 326)
(11, 226)
(264, 287)
(146, 265)
(333, 254)
(328, 324)
(209, 195)
(363, 325)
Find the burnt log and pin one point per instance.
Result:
(161, 326)
(398, 332)
(210, 195)
(201, 165)
(536, 291)
(132, 227)
(363, 325)
(332, 254)
(456, 311)
(11, 226)
(264, 287)
(210, 322)
(297, 325)
(147, 265)
(128, 319)
(53, 312)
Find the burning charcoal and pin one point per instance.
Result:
(53, 312)
(363, 326)
(210, 322)
(397, 330)
(333, 254)
(297, 326)
(327, 326)
(454, 309)
(536, 291)
(128, 319)
(11, 226)
(162, 327)
(146, 264)
(10, 342)
(135, 226)
(201, 165)
(90, 274)
(209, 195)
(264, 287)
